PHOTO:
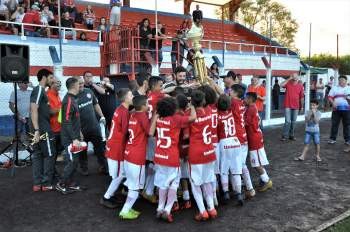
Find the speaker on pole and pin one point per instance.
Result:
(14, 63)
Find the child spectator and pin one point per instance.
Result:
(89, 17)
(312, 131)
(83, 37)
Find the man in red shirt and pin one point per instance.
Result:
(202, 157)
(167, 155)
(32, 17)
(115, 146)
(135, 155)
(257, 152)
(55, 107)
(293, 101)
(261, 93)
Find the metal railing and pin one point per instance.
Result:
(63, 29)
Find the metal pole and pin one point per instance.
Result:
(223, 37)
(268, 81)
(336, 72)
(59, 29)
(308, 76)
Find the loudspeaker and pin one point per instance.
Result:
(14, 63)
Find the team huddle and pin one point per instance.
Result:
(161, 143)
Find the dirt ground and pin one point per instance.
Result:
(304, 195)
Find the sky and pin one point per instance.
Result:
(328, 18)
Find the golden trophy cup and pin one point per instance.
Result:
(195, 34)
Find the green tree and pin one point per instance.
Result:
(329, 61)
(256, 14)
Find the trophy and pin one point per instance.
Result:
(195, 34)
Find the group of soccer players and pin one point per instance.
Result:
(160, 144)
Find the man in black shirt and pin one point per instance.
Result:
(197, 16)
(142, 86)
(157, 38)
(178, 47)
(70, 136)
(67, 22)
(90, 126)
(44, 147)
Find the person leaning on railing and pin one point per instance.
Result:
(32, 17)
(17, 17)
(67, 22)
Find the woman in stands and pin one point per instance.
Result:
(146, 35)
(89, 17)
(103, 27)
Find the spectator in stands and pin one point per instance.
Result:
(103, 27)
(114, 18)
(47, 19)
(4, 11)
(17, 17)
(12, 6)
(146, 35)
(158, 34)
(276, 94)
(69, 6)
(89, 17)
(23, 107)
(197, 16)
(82, 36)
(67, 22)
(293, 101)
(178, 47)
(32, 17)
(261, 95)
(106, 98)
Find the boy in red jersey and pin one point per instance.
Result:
(230, 150)
(115, 146)
(202, 157)
(238, 109)
(135, 155)
(257, 153)
(210, 102)
(155, 94)
(167, 157)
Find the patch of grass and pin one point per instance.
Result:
(342, 226)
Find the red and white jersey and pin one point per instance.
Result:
(226, 125)
(153, 98)
(167, 146)
(201, 149)
(238, 109)
(254, 134)
(214, 123)
(135, 151)
(116, 141)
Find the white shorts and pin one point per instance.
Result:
(244, 153)
(151, 147)
(184, 169)
(135, 176)
(202, 173)
(231, 159)
(114, 18)
(217, 161)
(115, 168)
(167, 177)
(258, 158)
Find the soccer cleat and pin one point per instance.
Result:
(213, 213)
(167, 217)
(202, 216)
(108, 203)
(176, 207)
(152, 198)
(265, 186)
(135, 212)
(47, 188)
(226, 197)
(36, 188)
(187, 204)
(240, 200)
(249, 194)
(128, 215)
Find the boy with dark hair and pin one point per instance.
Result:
(155, 94)
(238, 109)
(312, 130)
(258, 158)
(115, 146)
(202, 157)
(44, 148)
(167, 157)
(135, 155)
(70, 137)
(230, 150)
